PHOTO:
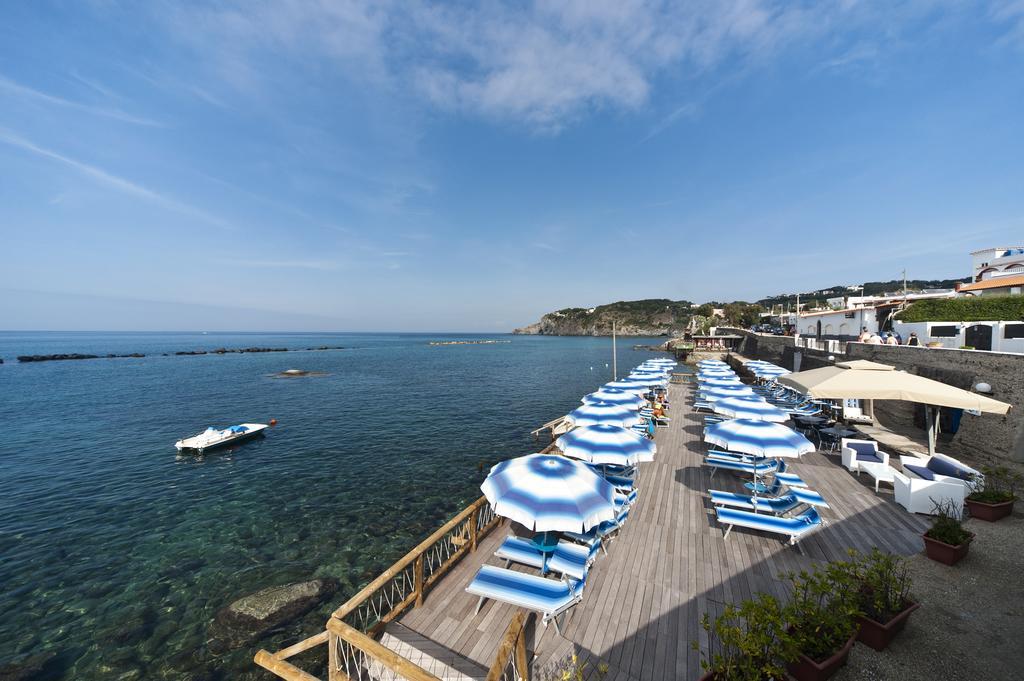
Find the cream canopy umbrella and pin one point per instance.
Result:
(866, 380)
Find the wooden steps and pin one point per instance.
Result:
(433, 657)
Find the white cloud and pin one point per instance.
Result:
(543, 64)
(113, 181)
(321, 265)
(11, 88)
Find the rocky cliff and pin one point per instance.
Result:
(652, 317)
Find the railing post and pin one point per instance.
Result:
(521, 662)
(417, 570)
(333, 666)
(474, 522)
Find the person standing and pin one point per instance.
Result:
(891, 340)
(913, 339)
(864, 335)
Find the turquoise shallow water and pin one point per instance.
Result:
(116, 552)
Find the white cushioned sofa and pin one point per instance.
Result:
(926, 481)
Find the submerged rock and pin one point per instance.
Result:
(253, 616)
(26, 668)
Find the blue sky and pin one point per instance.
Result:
(409, 166)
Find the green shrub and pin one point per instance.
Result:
(823, 609)
(1000, 486)
(966, 309)
(947, 526)
(884, 584)
(748, 643)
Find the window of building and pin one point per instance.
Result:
(943, 332)
(1013, 331)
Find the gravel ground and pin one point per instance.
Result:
(971, 621)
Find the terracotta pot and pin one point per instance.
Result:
(989, 512)
(944, 553)
(879, 636)
(806, 669)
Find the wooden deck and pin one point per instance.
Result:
(643, 601)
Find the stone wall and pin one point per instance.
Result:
(988, 437)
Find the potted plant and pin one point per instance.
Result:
(822, 616)
(748, 643)
(995, 499)
(884, 598)
(947, 541)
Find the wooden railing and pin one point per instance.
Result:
(510, 663)
(350, 634)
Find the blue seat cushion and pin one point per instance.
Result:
(862, 448)
(943, 467)
(920, 471)
(874, 458)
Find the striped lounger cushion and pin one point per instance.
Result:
(548, 596)
(794, 528)
(567, 559)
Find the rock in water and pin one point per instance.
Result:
(253, 616)
(27, 668)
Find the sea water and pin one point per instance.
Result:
(116, 552)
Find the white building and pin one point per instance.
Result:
(848, 316)
(997, 336)
(1003, 261)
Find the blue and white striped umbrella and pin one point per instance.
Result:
(637, 385)
(756, 363)
(713, 381)
(652, 369)
(602, 413)
(712, 363)
(722, 392)
(754, 408)
(647, 379)
(757, 438)
(769, 372)
(620, 398)
(548, 493)
(715, 372)
(606, 445)
(648, 373)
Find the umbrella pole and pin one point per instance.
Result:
(932, 414)
(615, 356)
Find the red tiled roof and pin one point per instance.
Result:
(994, 282)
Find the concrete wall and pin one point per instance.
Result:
(985, 438)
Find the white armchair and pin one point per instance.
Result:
(918, 495)
(851, 449)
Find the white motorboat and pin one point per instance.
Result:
(211, 438)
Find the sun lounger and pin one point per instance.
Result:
(734, 456)
(795, 528)
(568, 559)
(547, 596)
(601, 532)
(788, 479)
(772, 504)
(740, 466)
